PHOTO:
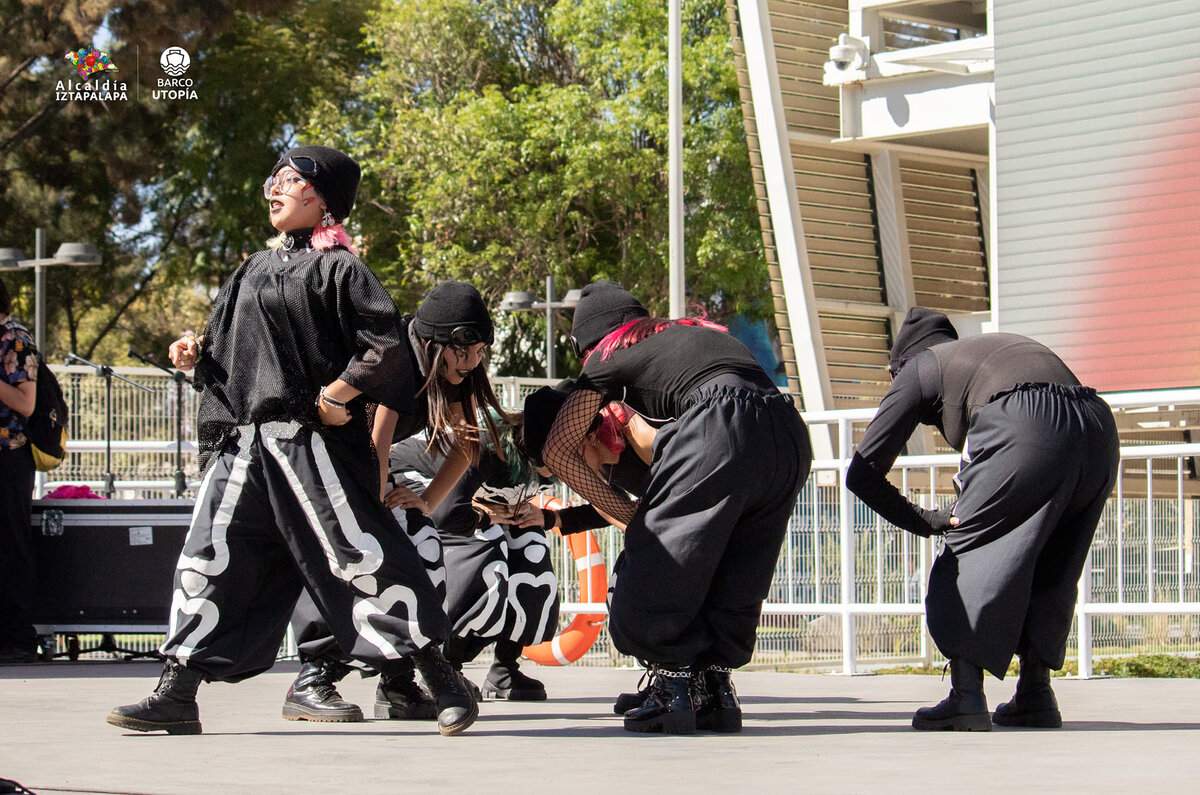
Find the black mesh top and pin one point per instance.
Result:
(284, 325)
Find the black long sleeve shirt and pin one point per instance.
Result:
(284, 325)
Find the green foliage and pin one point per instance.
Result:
(500, 142)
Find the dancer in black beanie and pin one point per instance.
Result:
(701, 545)
(446, 343)
(1039, 458)
(300, 337)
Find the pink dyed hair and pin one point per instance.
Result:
(326, 237)
(639, 328)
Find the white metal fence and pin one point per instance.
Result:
(849, 587)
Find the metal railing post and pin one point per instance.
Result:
(1083, 620)
(849, 638)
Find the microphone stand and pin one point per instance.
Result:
(110, 486)
(180, 379)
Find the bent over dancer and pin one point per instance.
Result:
(290, 495)
(701, 545)
(1039, 458)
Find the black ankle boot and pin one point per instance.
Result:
(1034, 704)
(965, 709)
(314, 696)
(506, 682)
(399, 697)
(456, 706)
(171, 707)
(628, 701)
(720, 710)
(671, 705)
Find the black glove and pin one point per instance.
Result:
(937, 522)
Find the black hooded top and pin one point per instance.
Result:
(941, 381)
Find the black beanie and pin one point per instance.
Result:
(541, 409)
(922, 329)
(603, 306)
(449, 306)
(336, 178)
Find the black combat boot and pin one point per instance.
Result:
(1034, 704)
(628, 701)
(671, 705)
(456, 706)
(170, 708)
(964, 710)
(399, 697)
(506, 682)
(314, 696)
(720, 710)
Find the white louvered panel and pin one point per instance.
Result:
(856, 350)
(945, 238)
(1098, 185)
(803, 33)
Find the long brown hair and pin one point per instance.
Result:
(475, 394)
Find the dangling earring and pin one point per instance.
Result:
(327, 220)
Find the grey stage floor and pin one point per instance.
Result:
(803, 733)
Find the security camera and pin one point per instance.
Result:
(849, 53)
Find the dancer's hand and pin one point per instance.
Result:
(939, 520)
(527, 515)
(523, 515)
(404, 497)
(185, 351)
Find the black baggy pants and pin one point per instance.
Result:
(1038, 466)
(498, 585)
(279, 511)
(701, 550)
(314, 637)
(501, 588)
(16, 549)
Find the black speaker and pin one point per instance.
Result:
(106, 565)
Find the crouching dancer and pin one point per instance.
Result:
(1039, 458)
(299, 338)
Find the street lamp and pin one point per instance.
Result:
(524, 301)
(10, 258)
(74, 254)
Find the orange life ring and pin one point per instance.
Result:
(577, 637)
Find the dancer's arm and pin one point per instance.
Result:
(564, 458)
(899, 413)
(452, 468)
(381, 437)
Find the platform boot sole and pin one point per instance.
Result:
(1041, 719)
(386, 710)
(671, 723)
(978, 722)
(293, 712)
(462, 725)
(172, 727)
(722, 721)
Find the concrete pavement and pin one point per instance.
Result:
(807, 733)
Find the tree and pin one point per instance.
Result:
(508, 141)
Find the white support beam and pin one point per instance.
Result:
(786, 224)
(931, 102)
